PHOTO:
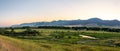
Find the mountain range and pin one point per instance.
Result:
(89, 22)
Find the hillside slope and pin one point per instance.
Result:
(89, 22)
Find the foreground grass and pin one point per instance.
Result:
(53, 47)
(42, 44)
(26, 46)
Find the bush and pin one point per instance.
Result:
(117, 43)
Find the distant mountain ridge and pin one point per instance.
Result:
(89, 22)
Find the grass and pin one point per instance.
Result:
(27, 46)
(45, 42)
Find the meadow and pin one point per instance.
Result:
(66, 40)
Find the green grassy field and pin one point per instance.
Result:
(67, 40)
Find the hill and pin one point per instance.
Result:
(89, 22)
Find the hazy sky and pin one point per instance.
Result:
(24, 11)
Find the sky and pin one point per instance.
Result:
(25, 11)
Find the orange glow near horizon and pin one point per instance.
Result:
(17, 12)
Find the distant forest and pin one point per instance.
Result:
(72, 28)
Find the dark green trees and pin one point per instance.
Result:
(30, 32)
(12, 32)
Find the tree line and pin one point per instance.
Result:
(62, 27)
(81, 28)
(11, 32)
